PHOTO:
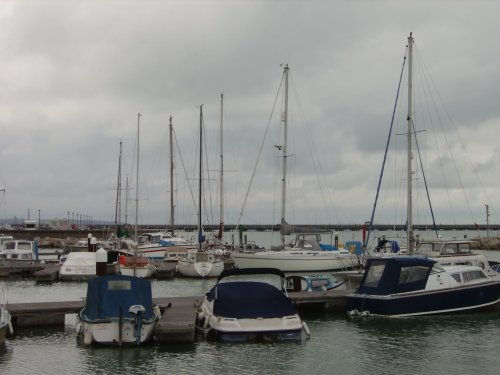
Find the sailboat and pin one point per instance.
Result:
(200, 263)
(162, 245)
(298, 258)
(444, 251)
(408, 285)
(137, 264)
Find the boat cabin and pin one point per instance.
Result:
(22, 250)
(384, 276)
(444, 248)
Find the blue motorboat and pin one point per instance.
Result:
(411, 285)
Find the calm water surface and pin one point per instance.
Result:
(457, 344)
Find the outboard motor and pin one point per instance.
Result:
(137, 310)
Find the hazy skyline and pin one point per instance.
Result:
(74, 75)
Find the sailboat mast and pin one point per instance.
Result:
(284, 150)
(126, 200)
(200, 179)
(171, 179)
(409, 213)
(221, 208)
(118, 208)
(137, 181)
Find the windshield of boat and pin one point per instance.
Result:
(374, 274)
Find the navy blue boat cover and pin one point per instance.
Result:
(398, 274)
(106, 294)
(249, 299)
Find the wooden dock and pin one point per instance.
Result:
(178, 321)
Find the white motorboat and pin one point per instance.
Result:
(19, 250)
(239, 309)
(399, 286)
(5, 324)
(118, 311)
(138, 266)
(455, 252)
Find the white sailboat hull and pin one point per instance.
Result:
(295, 261)
(199, 269)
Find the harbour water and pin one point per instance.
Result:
(455, 344)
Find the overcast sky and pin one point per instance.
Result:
(74, 75)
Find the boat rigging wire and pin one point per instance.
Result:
(370, 227)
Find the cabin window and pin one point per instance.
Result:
(119, 285)
(13, 256)
(464, 248)
(374, 274)
(412, 274)
(9, 245)
(449, 249)
(473, 275)
(425, 248)
(24, 246)
(457, 277)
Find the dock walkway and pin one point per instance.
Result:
(178, 321)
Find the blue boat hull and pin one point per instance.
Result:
(471, 298)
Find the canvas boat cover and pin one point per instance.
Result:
(107, 294)
(249, 299)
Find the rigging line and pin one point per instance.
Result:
(446, 138)
(260, 152)
(444, 171)
(209, 214)
(184, 168)
(425, 179)
(315, 158)
(370, 228)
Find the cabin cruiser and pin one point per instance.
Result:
(401, 286)
(240, 308)
(455, 252)
(19, 250)
(118, 311)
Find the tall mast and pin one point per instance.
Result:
(221, 208)
(137, 181)
(171, 179)
(284, 150)
(118, 206)
(126, 200)
(409, 213)
(200, 179)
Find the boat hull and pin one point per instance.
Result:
(108, 333)
(199, 269)
(139, 271)
(444, 301)
(301, 262)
